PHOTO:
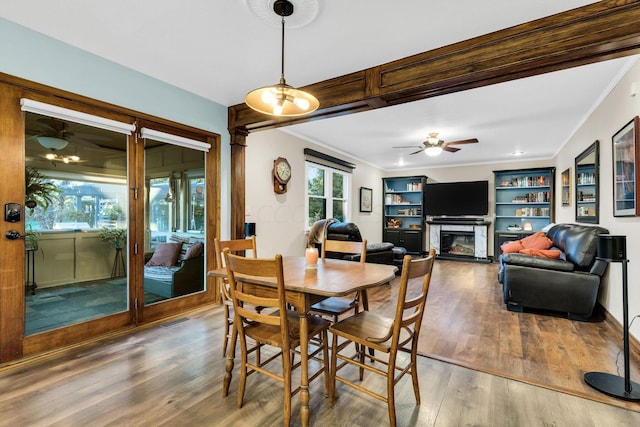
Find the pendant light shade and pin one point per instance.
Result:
(282, 99)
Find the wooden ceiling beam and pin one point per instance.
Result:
(597, 32)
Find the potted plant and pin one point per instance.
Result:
(116, 236)
(31, 238)
(38, 190)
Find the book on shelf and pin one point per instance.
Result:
(532, 212)
(526, 181)
(538, 197)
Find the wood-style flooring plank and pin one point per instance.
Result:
(553, 350)
(171, 374)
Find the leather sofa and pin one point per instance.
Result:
(377, 253)
(569, 284)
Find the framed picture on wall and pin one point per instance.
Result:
(366, 199)
(626, 156)
(566, 187)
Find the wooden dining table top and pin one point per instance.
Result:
(331, 277)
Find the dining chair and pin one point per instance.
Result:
(234, 246)
(273, 326)
(336, 306)
(387, 335)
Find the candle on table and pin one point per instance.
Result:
(311, 256)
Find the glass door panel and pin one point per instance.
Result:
(76, 223)
(174, 221)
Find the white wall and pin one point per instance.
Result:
(280, 218)
(616, 110)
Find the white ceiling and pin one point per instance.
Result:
(220, 50)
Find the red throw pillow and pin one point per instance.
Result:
(537, 240)
(195, 250)
(546, 253)
(166, 254)
(509, 247)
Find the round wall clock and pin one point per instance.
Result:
(281, 175)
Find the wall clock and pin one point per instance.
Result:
(281, 175)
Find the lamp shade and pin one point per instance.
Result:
(612, 248)
(282, 100)
(52, 143)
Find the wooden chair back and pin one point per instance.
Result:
(410, 310)
(244, 297)
(234, 247)
(345, 247)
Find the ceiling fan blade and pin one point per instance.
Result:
(463, 141)
(83, 142)
(450, 149)
(408, 146)
(416, 152)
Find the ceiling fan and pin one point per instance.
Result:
(434, 146)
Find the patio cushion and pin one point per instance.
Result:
(158, 272)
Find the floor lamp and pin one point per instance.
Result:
(614, 249)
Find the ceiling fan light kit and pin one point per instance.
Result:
(52, 143)
(433, 151)
(433, 146)
(282, 99)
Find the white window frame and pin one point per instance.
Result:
(328, 187)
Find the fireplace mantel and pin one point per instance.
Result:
(468, 229)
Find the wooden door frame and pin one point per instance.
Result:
(13, 344)
(597, 32)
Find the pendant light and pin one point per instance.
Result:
(282, 99)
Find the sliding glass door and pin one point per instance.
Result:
(76, 223)
(174, 216)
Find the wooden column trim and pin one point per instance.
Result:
(238, 184)
(12, 253)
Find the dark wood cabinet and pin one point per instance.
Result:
(403, 206)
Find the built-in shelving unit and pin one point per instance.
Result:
(524, 203)
(403, 221)
(586, 199)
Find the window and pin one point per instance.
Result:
(327, 193)
(80, 205)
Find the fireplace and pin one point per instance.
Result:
(457, 243)
(463, 239)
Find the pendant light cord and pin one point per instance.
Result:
(282, 81)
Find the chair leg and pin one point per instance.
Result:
(286, 372)
(325, 361)
(332, 372)
(361, 353)
(243, 370)
(391, 400)
(226, 331)
(414, 372)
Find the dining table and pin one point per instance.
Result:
(304, 286)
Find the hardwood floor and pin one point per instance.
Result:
(171, 373)
(466, 323)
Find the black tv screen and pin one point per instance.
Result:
(457, 198)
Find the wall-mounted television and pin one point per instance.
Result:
(457, 198)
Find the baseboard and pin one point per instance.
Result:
(634, 343)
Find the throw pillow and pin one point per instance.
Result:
(546, 253)
(510, 247)
(166, 254)
(537, 240)
(195, 250)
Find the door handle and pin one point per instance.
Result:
(13, 235)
